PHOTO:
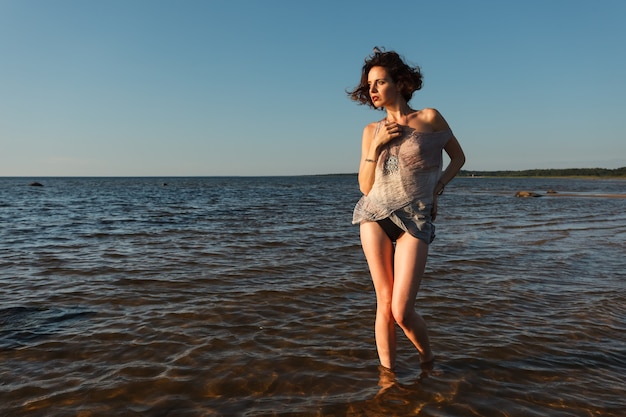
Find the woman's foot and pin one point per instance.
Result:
(428, 365)
(387, 379)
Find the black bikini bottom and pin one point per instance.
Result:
(391, 229)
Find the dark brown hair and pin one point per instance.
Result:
(408, 78)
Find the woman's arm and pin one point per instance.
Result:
(452, 148)
(369, 156)
(374, 136)
(457, 160)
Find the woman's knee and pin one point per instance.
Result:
(403, 314)
(383, 309)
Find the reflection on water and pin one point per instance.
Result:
(250, 296)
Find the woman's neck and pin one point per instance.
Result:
(400, 117)
(399, 114)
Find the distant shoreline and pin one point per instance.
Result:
(588, 173)
(618, 173)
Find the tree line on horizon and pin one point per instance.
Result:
(566, 172)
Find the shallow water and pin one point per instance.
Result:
(251, 297)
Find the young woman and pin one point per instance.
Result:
(401, 177)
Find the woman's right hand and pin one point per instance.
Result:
(386, 133)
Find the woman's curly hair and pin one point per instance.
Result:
(408, 78)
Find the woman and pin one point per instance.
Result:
(401, 177)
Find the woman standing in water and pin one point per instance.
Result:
(400, 176)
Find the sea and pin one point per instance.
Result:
(250, 296)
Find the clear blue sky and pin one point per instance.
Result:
(231, 87)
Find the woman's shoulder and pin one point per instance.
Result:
(427, 115)
(433, 118)
(371, 127)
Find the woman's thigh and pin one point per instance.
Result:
(409, 265)
(379, 252)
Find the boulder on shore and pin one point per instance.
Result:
(525, 194)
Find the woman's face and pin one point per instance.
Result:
(383, 91)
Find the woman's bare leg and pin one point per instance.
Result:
(409, 264)
(378, 251)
